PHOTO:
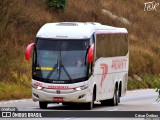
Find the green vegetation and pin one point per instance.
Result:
(14, 91)
(56, 4)
(146, 81)
(21, 19)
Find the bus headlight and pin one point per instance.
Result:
(81, 88)
(37, 87)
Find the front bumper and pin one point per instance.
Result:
(67, 95)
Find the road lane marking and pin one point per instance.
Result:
(113, 110)
(155, 103)
(68, 118)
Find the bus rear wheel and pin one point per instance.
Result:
(115, 99)
(43, 105)
(112, 102)
(106, 102)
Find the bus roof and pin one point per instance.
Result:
(75, 30)
(100, 29)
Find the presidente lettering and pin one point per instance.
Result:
(119, 64)
(38, 84)
(58, 87)
(50, 86)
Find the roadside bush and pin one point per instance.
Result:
(56, 4)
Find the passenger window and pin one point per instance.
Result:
(110, 45)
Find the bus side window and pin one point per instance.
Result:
(111, 45)
(92, 39)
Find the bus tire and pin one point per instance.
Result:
(106, 102)
(43, 105)
(119, 98)
(68, 103)
(115, 99)
(89, 105)
(119, 92)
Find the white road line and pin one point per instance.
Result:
(113, 110)
(155, 103)
(69, 118)
(140, 90)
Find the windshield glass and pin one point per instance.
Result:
(60, 60)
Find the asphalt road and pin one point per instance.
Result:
(138, 100)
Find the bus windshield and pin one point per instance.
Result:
(60, 61)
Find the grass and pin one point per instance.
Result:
(147, 81)
(14, 91)
(20, 21)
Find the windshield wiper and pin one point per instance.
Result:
(62, 66)
(66, 72)
(55, 67)
(51, 72)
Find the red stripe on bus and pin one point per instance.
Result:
(104, 68)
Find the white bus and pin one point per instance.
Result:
(76, 62)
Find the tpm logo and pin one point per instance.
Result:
(150, 6)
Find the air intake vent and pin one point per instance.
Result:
(67, 24)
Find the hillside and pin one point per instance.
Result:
(20, 21)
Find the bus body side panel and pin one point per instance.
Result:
(108, 71)
(104, 90)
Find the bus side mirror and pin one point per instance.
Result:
(28, 51)
(91, 53)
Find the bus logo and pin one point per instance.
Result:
(104, 68)
(58, 91)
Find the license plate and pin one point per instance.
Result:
(58, 99)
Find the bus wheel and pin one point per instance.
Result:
(89, 105)
(68, 103)
(106, 102)
(119, 98)
(115, 99)
(43, 105)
